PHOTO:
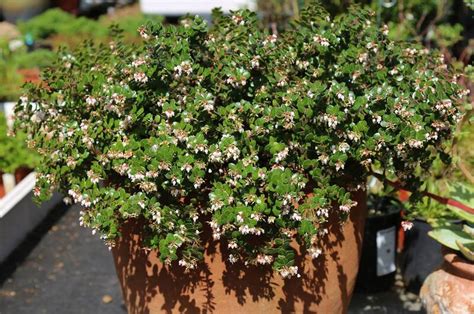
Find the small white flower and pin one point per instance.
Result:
(321, 40)
(289, 271)
(140, 77)
(343, 147)
(339, 165)
(255, 62)
(169, 113)
(143, 32)
(232, 245)
(239, 218)
(264, 259)
(37, 117)
(281, 155)
(183, 68)
(324, 159)
(296, 217)
(138, 62)
(232, 259)
(37, 191)
(407, 225)
(93, 176)
(315, 252)
(91, 100)
(239, 20)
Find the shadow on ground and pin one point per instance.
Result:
(63, 268)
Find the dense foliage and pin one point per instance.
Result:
(232, 127)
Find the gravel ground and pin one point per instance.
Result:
(67, 270)
(63, 268)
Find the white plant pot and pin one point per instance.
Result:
(19, 215)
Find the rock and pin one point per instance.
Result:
(7, 293)
(106, 299)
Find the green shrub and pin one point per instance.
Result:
(231, 127)
(59, 22)
(40, 58)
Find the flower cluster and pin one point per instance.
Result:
(252, 138)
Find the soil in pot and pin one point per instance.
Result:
(21, 173)
(380, 245)
(325, 285)
(450, 289)
(420, 257)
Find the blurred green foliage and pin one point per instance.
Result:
(39, 58)
(66, 29)
(13, 150)
(57, 21)
(12, 61)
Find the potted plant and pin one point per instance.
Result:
(225, 166)
(450, 288)
(421, 254)
(15, 157)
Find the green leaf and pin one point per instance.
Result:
(449, 234)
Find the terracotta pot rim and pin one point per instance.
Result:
(459, 265)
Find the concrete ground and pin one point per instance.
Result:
(63, 268)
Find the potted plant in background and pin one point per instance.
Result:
(15, 157)
(226, 166)
(421, 254)
(450, 288)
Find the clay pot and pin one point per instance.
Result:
(2, 187)
(21, 173)
(30, 75)
(325, 285)
(450, 289)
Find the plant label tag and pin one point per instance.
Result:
(386, 251)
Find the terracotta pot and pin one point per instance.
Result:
(2, 187)
(30, 75)
(450, 289)
(21, 173)
(325, 286)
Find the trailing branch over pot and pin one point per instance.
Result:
(228, 126)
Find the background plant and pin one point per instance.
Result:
(459, 237)
(13, 150)
(60, 28)
(11, 62)
(230, 128)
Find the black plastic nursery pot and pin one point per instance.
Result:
(421, 255)
(379, 251)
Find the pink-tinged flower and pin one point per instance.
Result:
(37, 191)
(140, 77)
(143, 32)
(91, 100)
(407, 225)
